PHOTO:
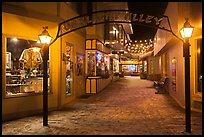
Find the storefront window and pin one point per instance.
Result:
(129, 68)
(102, 64)
(24, 67)
(80, 65)
(98, 64)
(91, 63)
(69, 68)
(145, 66)
(115, 66)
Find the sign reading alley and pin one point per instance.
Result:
(111, 16)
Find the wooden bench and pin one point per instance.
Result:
(161, 85)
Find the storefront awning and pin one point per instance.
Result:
(145, 55)
(171, 43)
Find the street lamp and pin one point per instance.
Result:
(45, 39)
(186, 33)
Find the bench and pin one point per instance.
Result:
(161, 85)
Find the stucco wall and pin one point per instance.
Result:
(176, 52)
(177, 12)
(29, 28)
(162, 36)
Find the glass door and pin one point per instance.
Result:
(69, 69)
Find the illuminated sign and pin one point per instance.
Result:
(98, 56)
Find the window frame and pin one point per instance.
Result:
(4, 50)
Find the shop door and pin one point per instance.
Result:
(69, 69)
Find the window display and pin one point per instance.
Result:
(24, 72)
(102, 64)
(80, 65)
(31, 57)
(91, 63)
(145, 66)
(98, 64)
(8, 60)
(69, 67)
(97, 59)
(115, 66)
(106, 65)
(129, 68)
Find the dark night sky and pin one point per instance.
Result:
(150, 8)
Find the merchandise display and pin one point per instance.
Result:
(31, 57)
(91, 63)
(98, 64)
(24, 74)
(8, 60)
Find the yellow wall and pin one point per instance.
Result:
(28, 25)
(29, 28)
(78, 47)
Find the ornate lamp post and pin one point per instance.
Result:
(186, 33)
(45, 39)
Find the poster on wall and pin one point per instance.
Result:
(80, 65)
(173, 74)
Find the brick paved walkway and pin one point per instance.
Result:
(126, 107)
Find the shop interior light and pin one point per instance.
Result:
(187, 30)
(14, 39)
(45, 37)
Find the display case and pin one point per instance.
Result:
(20, 83)
(24, 73)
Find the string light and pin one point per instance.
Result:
(140, 48)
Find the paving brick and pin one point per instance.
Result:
(126, 107)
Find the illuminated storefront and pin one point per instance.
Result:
(131, 68)
(115, 66)
(22, 66)
(97, 66)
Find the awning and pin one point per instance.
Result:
(145, 55)
(171, 43)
